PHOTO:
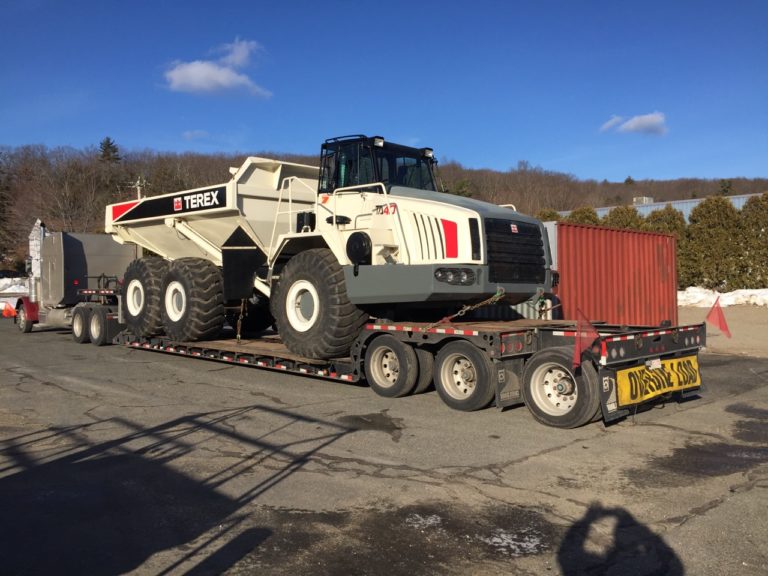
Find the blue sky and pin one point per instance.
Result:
(598, 89)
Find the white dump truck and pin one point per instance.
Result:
(318, 251)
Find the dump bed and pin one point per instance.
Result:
(263, 198)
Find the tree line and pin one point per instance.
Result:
(720, 247)
(68, 189)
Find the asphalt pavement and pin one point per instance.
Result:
(117, 460)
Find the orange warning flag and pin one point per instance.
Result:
(717, 318)
(8, 310)
(585, 335)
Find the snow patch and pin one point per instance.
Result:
(704, 298)
(520, 543)
(420, 522)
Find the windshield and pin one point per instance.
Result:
(358, 163)
(396, 168)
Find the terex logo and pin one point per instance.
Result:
(197, 200)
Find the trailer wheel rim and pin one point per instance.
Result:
(134, 297)
(553, 389)
(302, 305)
(95, 327)
(175, 301)
(458, 376)
(385, 367)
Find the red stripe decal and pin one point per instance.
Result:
(120, 209)
(451, 234)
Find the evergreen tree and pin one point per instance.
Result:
(583, 215)
(754, 241)
(711, 256)
(623, 217)
(549, 215)
(108, 151)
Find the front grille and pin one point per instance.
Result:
(514, 257)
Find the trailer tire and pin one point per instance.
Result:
(390, 366)
(23, 321)
(80, 319)
(311, 308)
(426, 370)
(97, 327)
(463, 376)
(192, 300)
(556, 394)
(141, 302)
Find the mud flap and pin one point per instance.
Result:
(609, 396)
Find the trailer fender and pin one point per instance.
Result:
(30, 308)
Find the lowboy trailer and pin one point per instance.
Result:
(474, 364)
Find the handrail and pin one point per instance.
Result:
(285, 186)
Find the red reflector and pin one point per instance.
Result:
(76, 282)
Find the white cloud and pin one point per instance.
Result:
(654, 123)
(217, 75)
(238, 54)
(613, 122)
(195, 134)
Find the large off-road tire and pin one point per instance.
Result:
(141, 295)
(192, 300)
(313, 313)
(22, 320)
(97, 327)
(557, 394)
(391, 367)
(464, 376)
(80, 318)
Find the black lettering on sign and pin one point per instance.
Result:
(634, 386)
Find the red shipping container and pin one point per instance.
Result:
(618, 276)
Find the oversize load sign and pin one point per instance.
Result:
(638, 384)
(171, 205)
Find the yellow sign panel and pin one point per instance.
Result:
(641, 383)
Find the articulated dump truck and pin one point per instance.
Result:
(319, 251)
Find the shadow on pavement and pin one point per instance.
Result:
(70, 506)
(612, 541)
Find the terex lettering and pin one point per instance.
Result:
(201, 199)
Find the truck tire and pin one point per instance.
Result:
(80, 319)
(463, 376)
(22, 320)
(390, 366)
(313, 313)
(192, 300)
(141, 302)
(426, 370)
(97, 326)
(556, 394)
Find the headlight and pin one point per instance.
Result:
(455, 276)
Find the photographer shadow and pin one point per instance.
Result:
(612, 541)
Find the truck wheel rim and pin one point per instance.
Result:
(553, 389)
(77, 325)
(175, 301)
(385, 367)
(134, 297)
(95, 327)
(458, 376)
(302, 305)
(21, 315)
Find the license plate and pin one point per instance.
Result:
(642, 383)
